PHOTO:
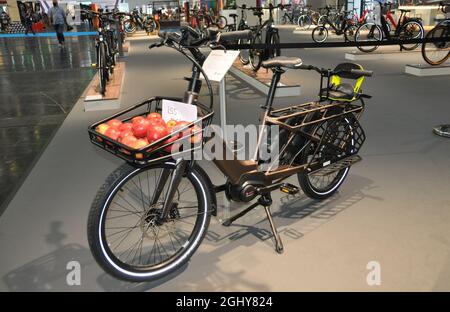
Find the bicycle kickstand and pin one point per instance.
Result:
(265, 201)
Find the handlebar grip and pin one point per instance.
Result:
(361, 72)
(233, 35)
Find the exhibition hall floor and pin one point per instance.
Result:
(39, 84)
(394, 207)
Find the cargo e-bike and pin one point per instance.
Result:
(153, 212)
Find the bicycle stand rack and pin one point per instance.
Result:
(265, 201)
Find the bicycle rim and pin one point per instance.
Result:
(368, 32)
(436, 53)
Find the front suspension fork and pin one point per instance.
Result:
(175, 176)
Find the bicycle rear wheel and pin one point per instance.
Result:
(350, 32)
(244, 56)
(304, 22)
(129, 27)
(318, 186)
(126, 236)
(436, 53)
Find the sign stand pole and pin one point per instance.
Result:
(226, 212)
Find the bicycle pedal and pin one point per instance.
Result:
(289, 188)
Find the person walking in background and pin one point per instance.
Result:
(29, 21)
(58, 20)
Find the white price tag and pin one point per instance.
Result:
(178, 111)
(218, 63)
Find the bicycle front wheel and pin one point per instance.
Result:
(319, 34)
(436, 53)
(350, 32)
(368, 32)
(102, 68)
(255, 55)
(411, 30)
(126, 235)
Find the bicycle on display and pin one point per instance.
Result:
(152, 213)
(405, 28)
(106, 46)
(145, 22)
(242, 22)
(344, 26)
(202, 19)
(257, 56)
(307, 18)
(288, 17)
(436, 53)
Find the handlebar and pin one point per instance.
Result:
(190, 38)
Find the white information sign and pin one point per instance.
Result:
(178, 111)
(218, 63)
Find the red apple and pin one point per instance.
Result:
(129, 141)
(198, 136)
(112, 133)
(139, 130)
(124, 134)
(156, 132)
(180, 125)
(154, 116)
(127, 126)
(170, 140)
(137, 119)
(114, 123)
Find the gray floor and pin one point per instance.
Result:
(39, 84)
(394, 207)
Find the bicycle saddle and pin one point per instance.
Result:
(283, 61)
(232, 15)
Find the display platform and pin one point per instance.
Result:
(379, 54)
(423, 70)
(260, 80)
(93, 100)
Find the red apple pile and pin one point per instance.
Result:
(142, 131)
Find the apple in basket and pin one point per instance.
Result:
(114, 123)
(171, 123)
(197, 137)
(140, 128)
(126, 126)
(156, 132)
(112, 133)
(154, 116)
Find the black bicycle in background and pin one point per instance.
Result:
(341, 25)
(106, 47)
(257, 56)
(436, 53)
